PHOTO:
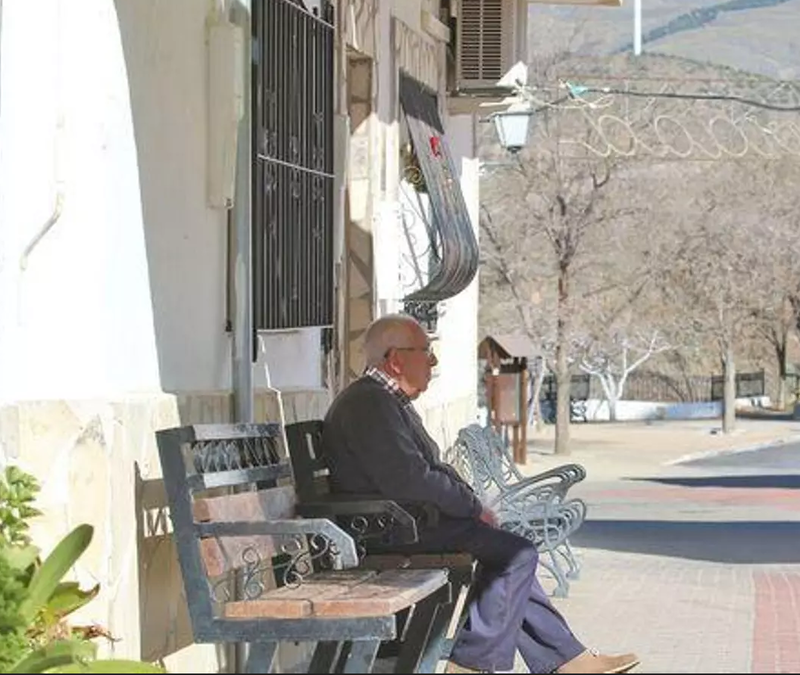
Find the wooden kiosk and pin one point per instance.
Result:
(505, 378)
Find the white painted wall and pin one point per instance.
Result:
(458, 326)
(77, 320)
(106, 102)
(386, 230)
(457, 344)
(165, 54)
(597, 410)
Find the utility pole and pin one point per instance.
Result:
(242, 373)
(637, 27)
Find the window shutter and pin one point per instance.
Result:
(480, 42)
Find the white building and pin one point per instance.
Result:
(118, 265)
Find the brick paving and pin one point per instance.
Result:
(679, 616)
(695, 573)
(737, 498)
(776, 632)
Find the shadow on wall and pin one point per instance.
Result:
(164, 44)
(164, 624)
(162, 605)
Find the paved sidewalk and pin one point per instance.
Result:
(609, 450)
(694, 570)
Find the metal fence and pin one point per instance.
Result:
(649, 386)
(748, 385)
(580, 388)
(665, 389)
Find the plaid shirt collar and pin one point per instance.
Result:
(388, 383)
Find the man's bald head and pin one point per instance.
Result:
(390, 331)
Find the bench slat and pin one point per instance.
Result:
(332, 595)
(297, 602)
(388, 561)
(224, 554)
(251, 507)
(393, 591)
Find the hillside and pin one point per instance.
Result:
(757, 36)
(747, 48)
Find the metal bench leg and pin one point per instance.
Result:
(462, 580)
(425, 635)
(260, 657)
(392, 649)
(437, 640)
(360, 657)
(562, 589)
(325, 655)
(574, 571)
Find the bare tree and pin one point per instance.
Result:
(613, 359)
(776, 323)
(566, 236)
(712, 280)
(548, 229)
(779, 314)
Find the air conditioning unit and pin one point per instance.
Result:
(491, 36)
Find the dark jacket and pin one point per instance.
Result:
(376, 445)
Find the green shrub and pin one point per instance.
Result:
(35, 601)
(18, 492)
(13, 643)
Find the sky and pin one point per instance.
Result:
(757, 36)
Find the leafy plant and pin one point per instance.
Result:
(17, 493)
(13, 643)
(35, 601)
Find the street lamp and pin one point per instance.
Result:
(512, 128)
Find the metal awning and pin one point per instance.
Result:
(459, 252)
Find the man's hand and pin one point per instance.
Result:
(488, 516)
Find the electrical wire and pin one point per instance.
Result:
(577, 91)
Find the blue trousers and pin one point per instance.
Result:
(509, 609)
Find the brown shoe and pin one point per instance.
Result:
(590, 662)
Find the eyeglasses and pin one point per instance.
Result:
(428, 349)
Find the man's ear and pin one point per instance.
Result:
(392, 366)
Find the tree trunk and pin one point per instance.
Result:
(781, 350)
(782, 397)
(563, 380)
(729, 400)
(611, 389)
(536, 398)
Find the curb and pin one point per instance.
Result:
(732, 451)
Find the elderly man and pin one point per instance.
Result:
(376, 443)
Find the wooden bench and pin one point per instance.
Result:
(255, 572)
(373, 538)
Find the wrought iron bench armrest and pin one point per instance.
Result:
(403, 526)
(566, 516)
(534, 495)
(344, 547)
(550, 530)
(561, 477)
